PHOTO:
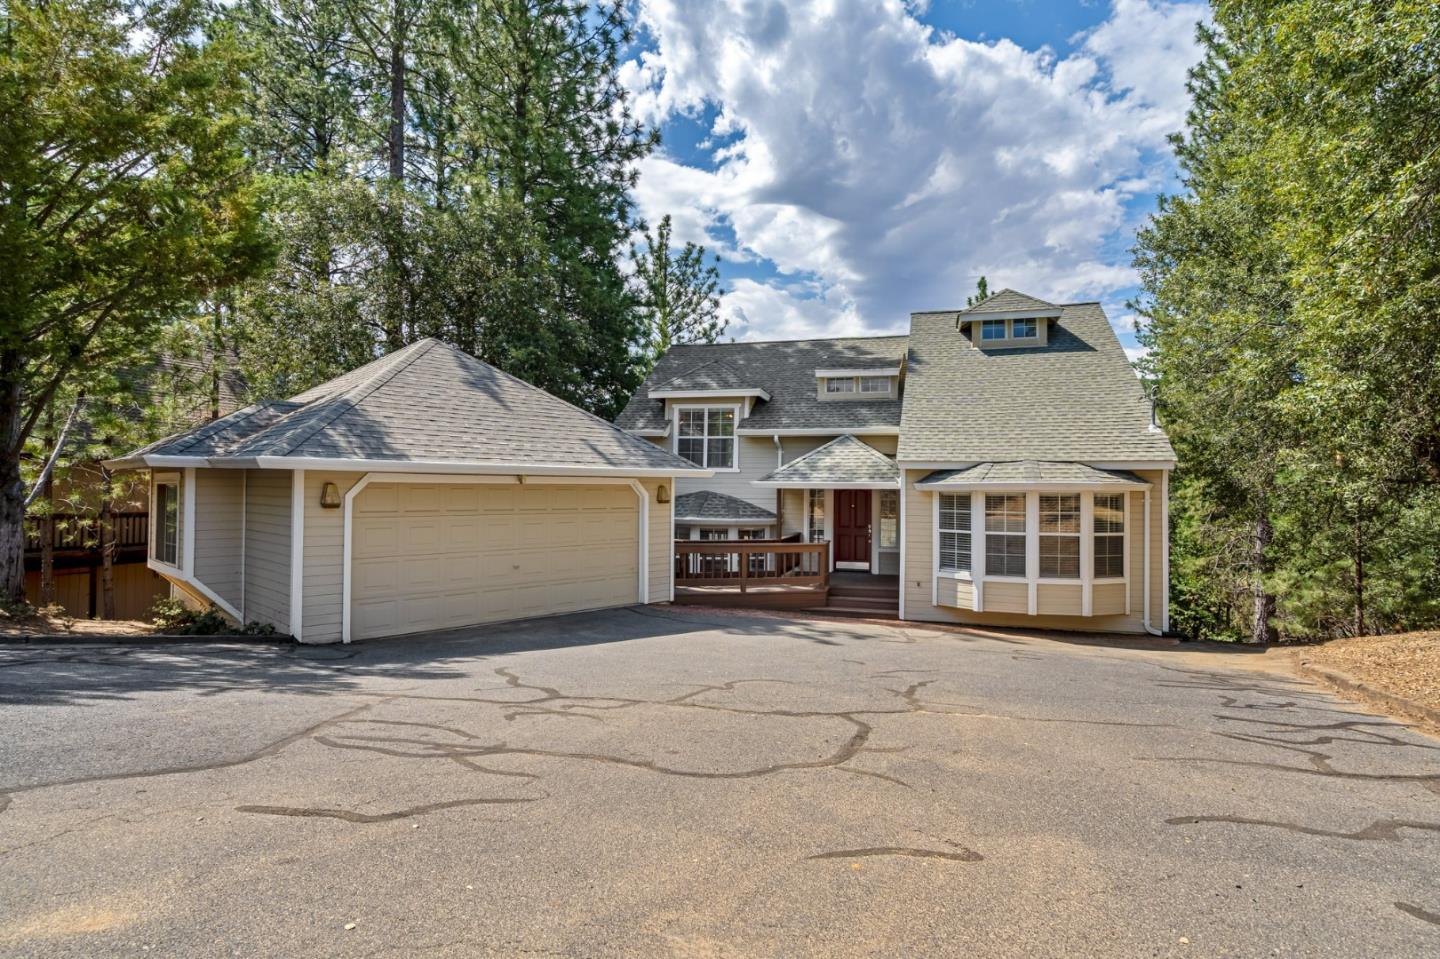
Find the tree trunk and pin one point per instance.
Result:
(12, 488)
(47, 521)
(1359, 574)
(107, 548)
(1261, 629)
(394, 321)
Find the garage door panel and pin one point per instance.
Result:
(438, 556)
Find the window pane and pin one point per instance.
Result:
(1060, 557)
(692, 450)
(817, 515)
(1060, 514)
(692, 422)
(1022, 329)
(874, 384)
(721, 453)
(1005, 514)
(1110, 513)
(889, 519)
(954, 511)
(1109, 556)
(722, 422)
(167, 505)
(845, 385)
(1004, 555)
(992, 330)
(955, 551)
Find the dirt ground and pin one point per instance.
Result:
(35, 622)
(1406, 664)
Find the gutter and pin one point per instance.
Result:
(398, 466)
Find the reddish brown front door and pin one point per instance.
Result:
(852, 526)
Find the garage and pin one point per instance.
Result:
(429, 556)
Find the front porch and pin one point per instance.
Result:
(778, 574)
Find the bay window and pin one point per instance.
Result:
(955, 532)
(1110, 536)
(1060, 536)
(706, 436)
(1005, 534)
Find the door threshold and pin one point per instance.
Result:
(862, 567)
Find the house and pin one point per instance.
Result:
(1000, 462)
(426, 490)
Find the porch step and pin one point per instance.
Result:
(889, 603)
(858, 612)
(876, 592)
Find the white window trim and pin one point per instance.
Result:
(1078, 535)
(1032, 516)
(158, 479)
(675, 433)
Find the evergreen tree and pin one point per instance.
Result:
(982, 293)
(125, 199)
(679, 293)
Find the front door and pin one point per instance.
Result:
(852, 527)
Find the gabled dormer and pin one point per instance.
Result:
(1008, 320)
(868, 382)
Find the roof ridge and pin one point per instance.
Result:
(801, 339)
(351, 398)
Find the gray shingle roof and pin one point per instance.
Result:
(1034, 472)
(1077, 399)
(715, 375)
(709, 506)
(842, 460)
(426, 402)
(785, 370)
(1010, 301)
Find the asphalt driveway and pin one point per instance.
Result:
(675, 783)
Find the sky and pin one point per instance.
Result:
(852, 161)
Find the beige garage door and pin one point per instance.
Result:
(445, 555)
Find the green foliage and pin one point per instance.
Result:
(1294, 319)
(173, 617)
(981, 294)
(125, 199)
(679, 293)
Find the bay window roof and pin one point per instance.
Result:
(1022, 475)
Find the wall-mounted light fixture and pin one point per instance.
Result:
(330, 496)
(662, 495)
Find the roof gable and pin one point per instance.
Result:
(843, 461)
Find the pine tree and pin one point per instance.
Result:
(679, 293)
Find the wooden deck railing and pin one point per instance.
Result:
(79, 532)
(748, 564)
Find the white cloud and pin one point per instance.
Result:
(892, 165)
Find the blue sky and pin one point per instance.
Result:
(854, 160)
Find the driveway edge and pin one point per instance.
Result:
(159, 639)
(1362, 690)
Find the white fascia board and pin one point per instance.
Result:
(451, 466)
(725, 520)
(705, 394)
(945, 487)
(1129, 465)
(821, 484)
(879, 371)
(660, 433)
(853, 431)
(1022, 313)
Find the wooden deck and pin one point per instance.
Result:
(760, 573)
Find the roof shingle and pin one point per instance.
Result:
(844, 460)
(709, 506)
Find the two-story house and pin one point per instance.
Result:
(1002, 461)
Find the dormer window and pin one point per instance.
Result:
(1024, 329)
(874, 384)
(992, 330)
(840, 385)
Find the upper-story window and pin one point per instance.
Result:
(992, 330)
(840, 384)
(874, 384)
(1024, 329)
(706, 436)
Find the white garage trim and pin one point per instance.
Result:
(297, 552)
(642, 588)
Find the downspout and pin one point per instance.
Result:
(1146, 533)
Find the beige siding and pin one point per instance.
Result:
(219, 512)
(756, 458)
(660, 540)
(1008, 604)
(959, 593)
(267, 548)
(1058, 599)
(324, 548)
(794, 519)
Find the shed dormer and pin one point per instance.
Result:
(1008, 320)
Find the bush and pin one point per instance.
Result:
(173, 616)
